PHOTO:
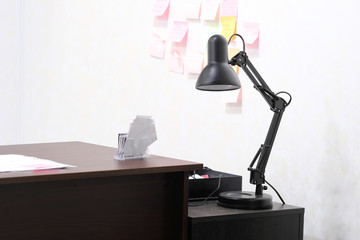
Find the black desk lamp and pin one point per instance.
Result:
(219, 76)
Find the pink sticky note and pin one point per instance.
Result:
(250, 32)
(210, 9)
(161, 7)
(192, 9)
(179, 31)
(194, 61)
(176, 63)
(229, 8)
(157, 46)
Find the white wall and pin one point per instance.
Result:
(81, 71)
(10, 74)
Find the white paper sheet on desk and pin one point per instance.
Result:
(15, 162)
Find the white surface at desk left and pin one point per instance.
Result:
(15, 163)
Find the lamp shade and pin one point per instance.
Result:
(218, 75)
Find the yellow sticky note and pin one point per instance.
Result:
(228, 24)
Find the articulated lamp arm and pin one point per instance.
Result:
(277, 105)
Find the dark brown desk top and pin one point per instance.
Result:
(90, 161)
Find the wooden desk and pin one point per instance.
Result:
(212, 222)
(99, 199)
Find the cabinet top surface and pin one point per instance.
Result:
(89, 160)
(210, 211)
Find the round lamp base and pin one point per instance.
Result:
(245, 200)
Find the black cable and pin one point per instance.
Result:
(275, 191)
(287, 104)
(235, 34)
(205, 200)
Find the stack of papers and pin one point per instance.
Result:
(140, 136)
(14, 162)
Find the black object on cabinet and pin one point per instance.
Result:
(200, 189)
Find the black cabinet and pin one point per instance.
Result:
(212, 222)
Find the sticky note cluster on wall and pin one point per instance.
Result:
(184, 27)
